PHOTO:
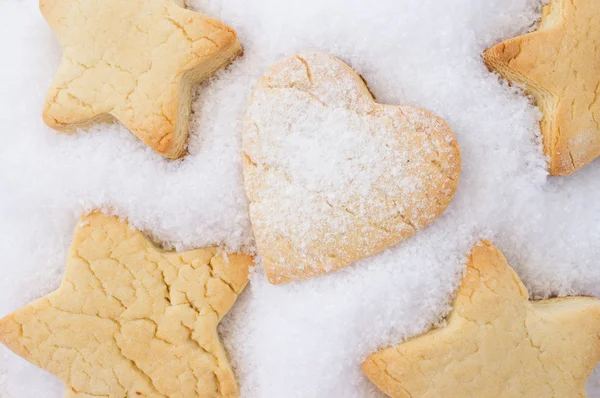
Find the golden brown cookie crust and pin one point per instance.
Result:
(132, 320)
(366, 225)
(559, 65)
(496, 342)
(135, 61)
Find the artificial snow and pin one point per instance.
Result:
(303, 339)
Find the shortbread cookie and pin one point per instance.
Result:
(333, 176)
(559, 65)
(132, 320)
(135, 61)
(496, 342)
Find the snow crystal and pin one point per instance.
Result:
(304, 339)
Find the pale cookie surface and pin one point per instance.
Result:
(559, 65)
(133, 60)
(496, 342)
(331, 175)
(131, 320)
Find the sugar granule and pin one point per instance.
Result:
(302, 339)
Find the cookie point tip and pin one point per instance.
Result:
(46, 6)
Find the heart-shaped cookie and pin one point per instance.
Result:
(331, 175)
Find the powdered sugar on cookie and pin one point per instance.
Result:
(333, 176)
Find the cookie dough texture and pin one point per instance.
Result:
(131, 320)
(331, 175)
(559, 64)
(496, 342)
(135, 61)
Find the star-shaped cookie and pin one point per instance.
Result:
(496, 342)
(131, 320)
(559, 64)
(134, 61)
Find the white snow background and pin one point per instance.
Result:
(303, 339)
